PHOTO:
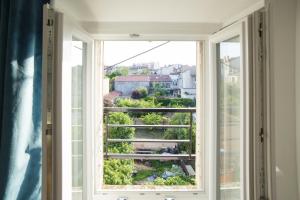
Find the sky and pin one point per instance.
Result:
(174, 52)
(230, 49)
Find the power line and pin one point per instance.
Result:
(109, 67)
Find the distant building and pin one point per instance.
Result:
(169, 69)
(184, 82)
(142, 68)
(127, 84)
(231, 69)
(163, 80)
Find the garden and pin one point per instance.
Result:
(150, 172)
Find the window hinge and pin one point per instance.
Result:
(260, 30)
(50, 22)
(49, 129)
(261, 135)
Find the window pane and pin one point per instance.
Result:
(229, 117)
(78, 53)
(77, 148)
(77, 171)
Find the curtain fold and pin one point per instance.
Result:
(20, 99)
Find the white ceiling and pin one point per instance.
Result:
(191, 11)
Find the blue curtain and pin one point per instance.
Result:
(20, 99)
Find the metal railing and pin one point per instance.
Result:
(188, 156)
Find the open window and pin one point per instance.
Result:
(150, 131)
(132, 129)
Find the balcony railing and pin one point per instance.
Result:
(150, 156)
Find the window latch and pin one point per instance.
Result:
(261, 135)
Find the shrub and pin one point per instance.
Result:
(153, 119)
(116, 171)
(126, 102)
(159, 90)
(172, 102)
(181, 133)
(139, 93)
(175, 180)
(143, 92)
(121, 132)
(135, 94)
(123, 147)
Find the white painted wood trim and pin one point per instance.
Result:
(201, 146)
(236, 29)
(248, 11)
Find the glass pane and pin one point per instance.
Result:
(77, 171)
(78, 53)
(77, 133)
(77, 148)
(229, 90)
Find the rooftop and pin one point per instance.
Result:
(144, 78)
(160, 78)
(133, 78)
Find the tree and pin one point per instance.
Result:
(139, 93)
(159, 90)
(120, 71)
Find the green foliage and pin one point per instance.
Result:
(139, 93)
(177, 102)
(159, 90)
(172, 102)
(120, 71)
(153, 119)
(175, 180)
(123, 147)
(141, 175)
(118, 172)
(159, 181)
(143, 92)
(161, 166)
(181, 133)
(126, 102)
(121, 132)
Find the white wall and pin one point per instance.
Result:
(283, 114)
(297, 77)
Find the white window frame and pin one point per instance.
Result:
(70, 31)
(237, 29)
(201, 146)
